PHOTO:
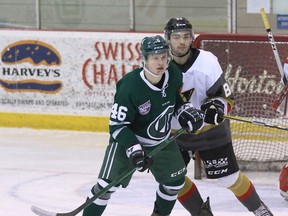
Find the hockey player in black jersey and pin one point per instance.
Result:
(205, 87)
(140, 120)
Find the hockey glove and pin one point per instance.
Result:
(189, 117)
(214, 111)
(138, 158)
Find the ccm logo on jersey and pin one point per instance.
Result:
(178, 172)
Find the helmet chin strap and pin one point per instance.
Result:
(148, 71)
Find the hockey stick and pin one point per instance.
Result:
(255, 122)
(43, 212)
(284, 91)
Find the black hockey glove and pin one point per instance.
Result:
(138, 158)
(189, 117)
(214, 111)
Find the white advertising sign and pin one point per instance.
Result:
(52, 72)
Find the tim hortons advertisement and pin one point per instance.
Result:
(250, 69)
(53, 72)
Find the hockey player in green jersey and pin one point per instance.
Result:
(140, 120)
(205, 87)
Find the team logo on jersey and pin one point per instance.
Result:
(159, 128)
(187, 95)
(145, 108)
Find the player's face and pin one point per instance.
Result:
(180, 42)
(157, 63)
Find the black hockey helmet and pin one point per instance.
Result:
(153, 45)
(177, 24)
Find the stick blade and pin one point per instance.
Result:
(42, 212)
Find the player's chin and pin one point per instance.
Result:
(182, 50)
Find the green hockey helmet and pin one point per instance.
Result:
(177, 24)
(153, 45)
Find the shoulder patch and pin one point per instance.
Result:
(145, 108)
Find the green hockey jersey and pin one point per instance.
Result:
(142, 112)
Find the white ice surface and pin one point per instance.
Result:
(55, 170)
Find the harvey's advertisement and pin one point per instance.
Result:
(52, 72)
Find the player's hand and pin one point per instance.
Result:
(214, 111)
(189, 117)
(138, 158)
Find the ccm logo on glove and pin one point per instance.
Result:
(214, 111)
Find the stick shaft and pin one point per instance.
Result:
(255, 122)
(128, 172)
(281, 97)
(272, 41)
